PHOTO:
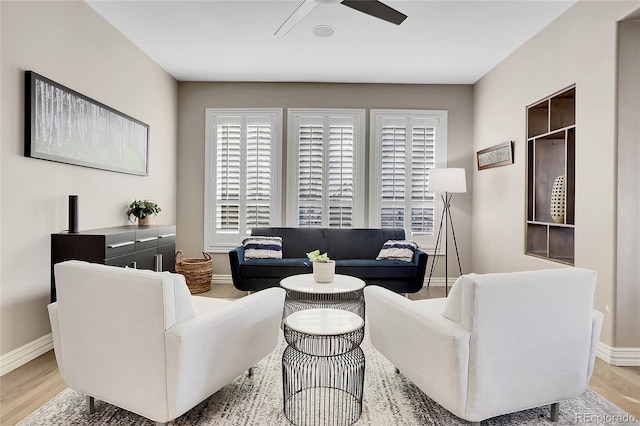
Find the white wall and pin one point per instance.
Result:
(71, 44)
(628, 181)
(579, 47)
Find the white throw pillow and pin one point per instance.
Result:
(262, 247)
(397, 250)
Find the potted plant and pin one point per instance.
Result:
(324, 269)
(142, 210)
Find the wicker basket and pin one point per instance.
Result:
(197, 272)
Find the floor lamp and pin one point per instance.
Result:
(446, 182)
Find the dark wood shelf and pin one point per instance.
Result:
(550, 154)
(143, 247)
(563, 110)
(538, 119)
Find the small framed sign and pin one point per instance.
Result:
(496, 156)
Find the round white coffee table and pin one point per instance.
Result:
(345, 292)
(323, 367)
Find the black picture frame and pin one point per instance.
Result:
(66, 126)
(495, 156)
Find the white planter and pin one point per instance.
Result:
(324, 272)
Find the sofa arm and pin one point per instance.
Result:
(429, 349)
(236, 258)
(208, 351)
(420, 259)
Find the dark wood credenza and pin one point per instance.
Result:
(143, 247)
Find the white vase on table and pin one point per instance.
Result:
(324, 272)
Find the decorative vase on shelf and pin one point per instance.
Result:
(324, 272)
(558, 193)
(144, 221)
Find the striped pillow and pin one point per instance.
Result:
(262, 248)
(397, 250)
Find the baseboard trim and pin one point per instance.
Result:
(19, 357)
(620, 357)
(438, 281)
(221, 279)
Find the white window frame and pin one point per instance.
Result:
(377, 118)
(220, 242)
(293, 124)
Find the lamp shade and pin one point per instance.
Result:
(447, 180)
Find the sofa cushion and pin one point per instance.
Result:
(376, 269)
(397, 250)
(274, 268)
(337, 243)
(362, 268)
(262, 248)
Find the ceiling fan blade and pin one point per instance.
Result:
(376, 9)
(303, 10)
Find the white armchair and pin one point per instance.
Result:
(500, 343)
(139, 340)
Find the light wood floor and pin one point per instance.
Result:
(25, 389)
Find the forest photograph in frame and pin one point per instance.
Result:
(65, 126)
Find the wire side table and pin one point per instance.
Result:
(323, 367)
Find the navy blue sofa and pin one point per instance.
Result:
(354, 250)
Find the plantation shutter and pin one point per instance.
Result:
(228, 165)
(422, 160)
(341, 174)
(393, 169)
(243, 174)
(258, 186)
(310, 173)
(324, 153)
(406, 146)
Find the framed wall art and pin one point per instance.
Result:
(65, 126)
(496, 156)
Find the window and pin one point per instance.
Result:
(243, 149)
(405, 145)
(326, 168)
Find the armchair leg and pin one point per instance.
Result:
(397, 370)
(91, 406)
(250, 372)
(555, 411)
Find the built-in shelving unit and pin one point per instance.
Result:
(551, 131)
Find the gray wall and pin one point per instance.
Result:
(71, 44)
(193, 98)
(579, 47)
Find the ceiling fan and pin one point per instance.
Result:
(374, 8)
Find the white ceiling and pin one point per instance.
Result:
(454, 41)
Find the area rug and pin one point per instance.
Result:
(389, 399)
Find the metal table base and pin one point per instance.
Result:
(323, 378)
